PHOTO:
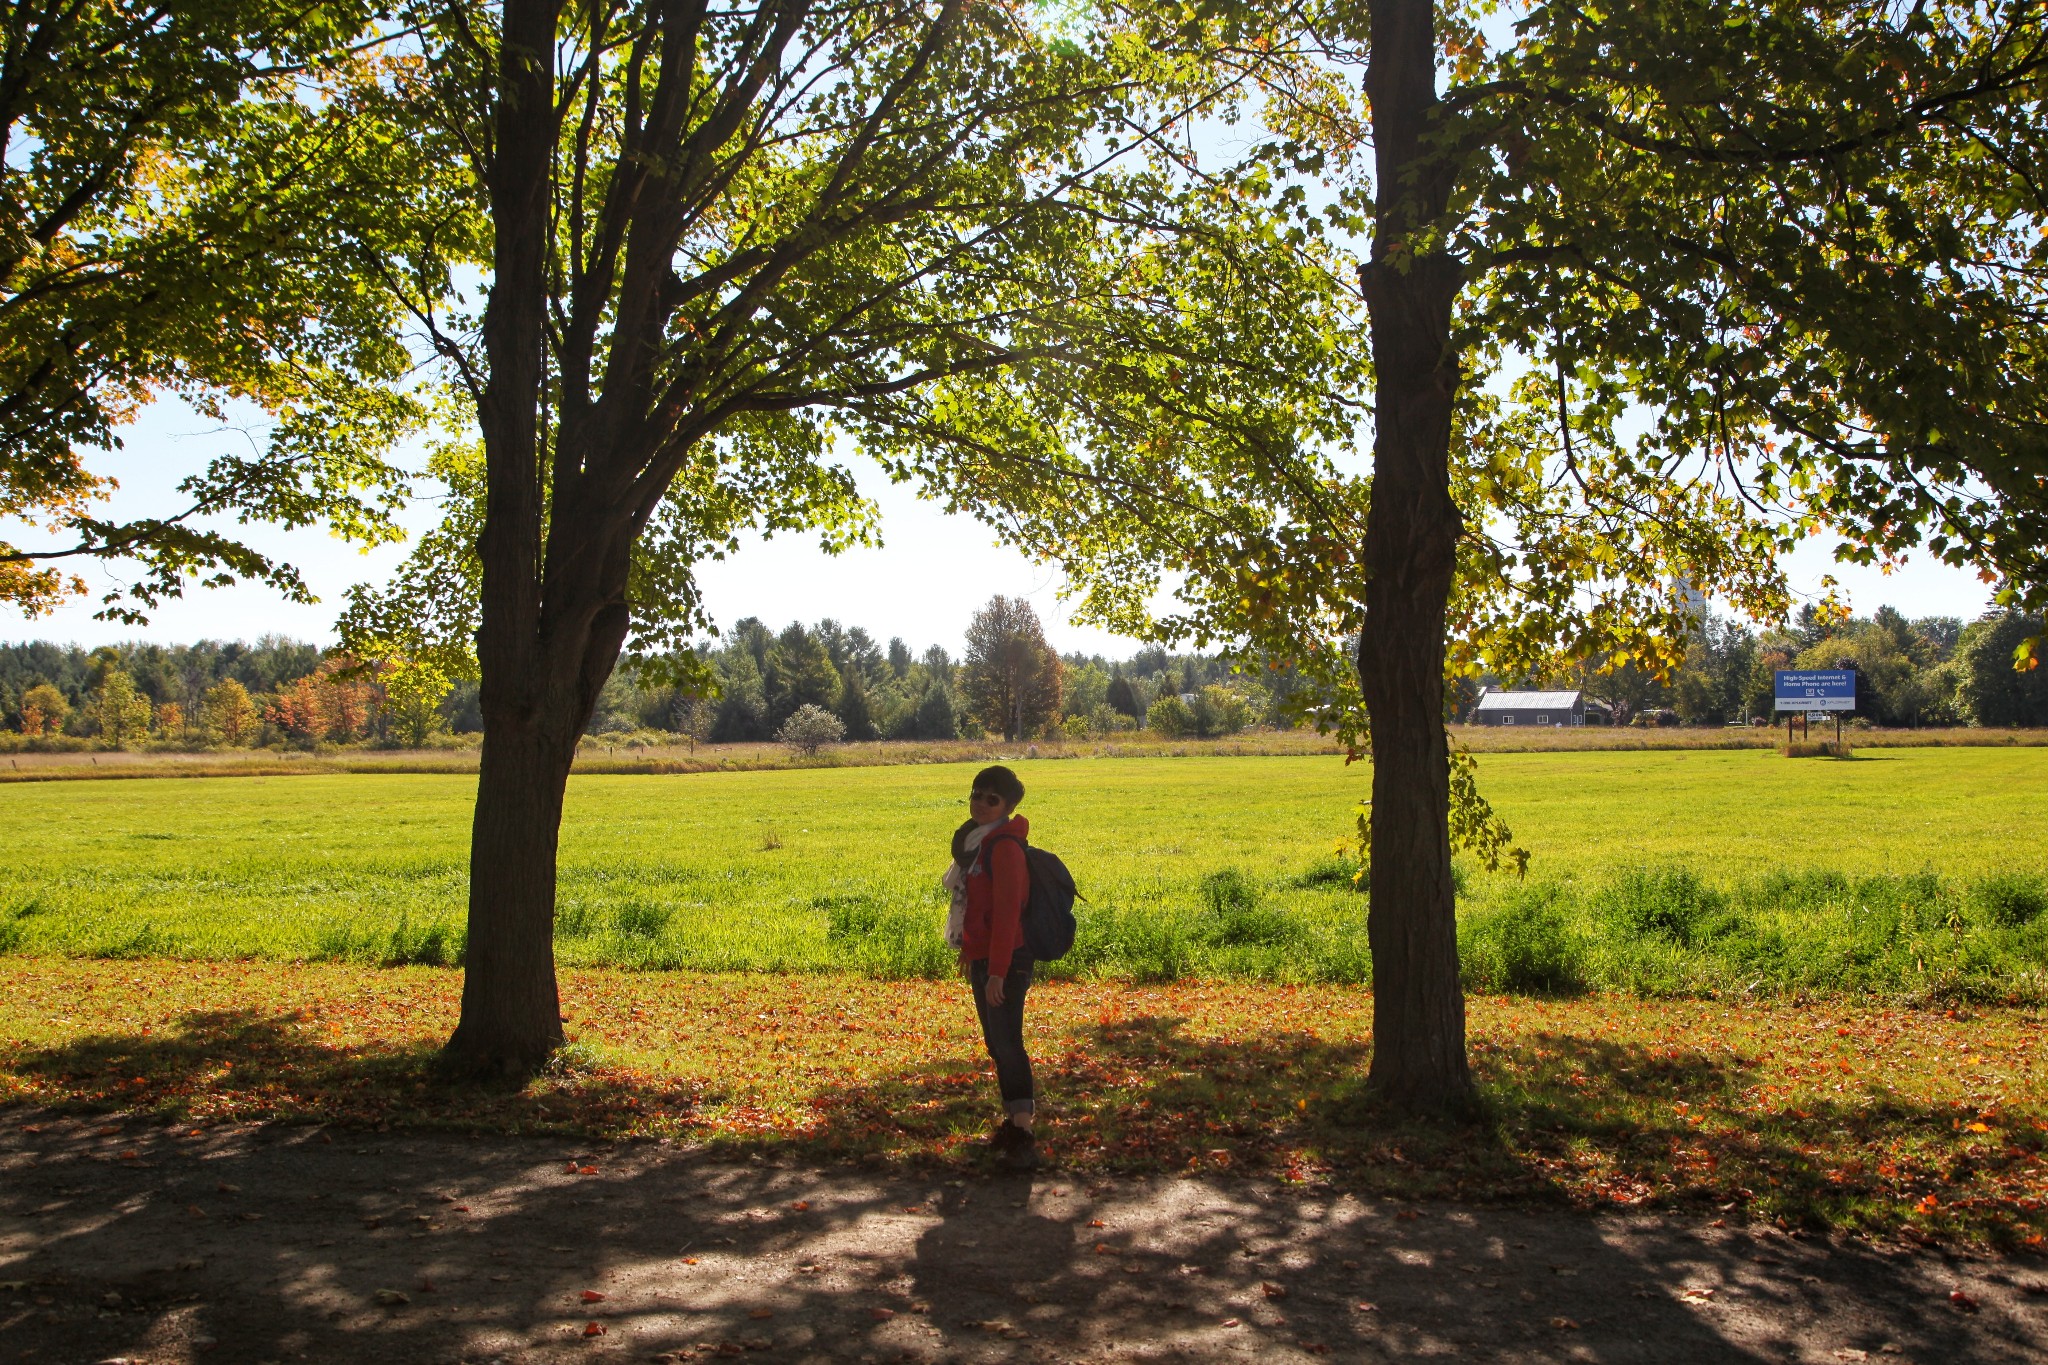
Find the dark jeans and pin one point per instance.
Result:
(1002, 1028)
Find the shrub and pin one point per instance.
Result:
(1170, 716)
(2011, 900)
(810, 728)
(641, 920)
(1528, 945)
(1329, 872)
(885, 938)
(1670, 903)
(439, 944)
(1235, 919)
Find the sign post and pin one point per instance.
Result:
(1809, 692)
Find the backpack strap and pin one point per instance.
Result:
(987, 858)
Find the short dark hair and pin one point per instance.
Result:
(1002, 782)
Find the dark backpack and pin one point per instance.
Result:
(1049, 910)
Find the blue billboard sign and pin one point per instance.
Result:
(1815, 689)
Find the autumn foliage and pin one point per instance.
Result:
(334, 704)
(1924, 1123)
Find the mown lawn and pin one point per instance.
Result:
(1933, 1124)
(1918, 872)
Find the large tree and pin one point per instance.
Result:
(723, 234)
(1644, 294)
(1011, 678)
(200, 200)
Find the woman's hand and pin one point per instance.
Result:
(992, 991)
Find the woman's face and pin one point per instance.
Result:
(986, 807)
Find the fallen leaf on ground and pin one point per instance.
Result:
(594, 1296)
(1564, 1324)
(1273, 1291)
(593, 1329)
(761, 1314)
(881, 1314)
(1367, 1307)
(391, 1298)
(1962, 1300)
(802, 1206)
(1230, 1322)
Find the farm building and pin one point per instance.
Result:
(1502, 707)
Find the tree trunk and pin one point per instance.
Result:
(511, 1014)
(553, 605)
(1418, 1062)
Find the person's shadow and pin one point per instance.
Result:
(995, 1267)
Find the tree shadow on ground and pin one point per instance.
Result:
(1583, 1119)
(868, 1230)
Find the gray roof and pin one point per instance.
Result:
(1529, 701)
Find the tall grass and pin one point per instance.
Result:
(1662, 931)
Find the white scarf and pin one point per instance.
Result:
(955, 882)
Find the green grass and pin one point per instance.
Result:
(1675, 872)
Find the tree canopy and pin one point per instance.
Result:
(1626, 301)
(201, 201)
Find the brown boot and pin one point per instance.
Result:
(1021, 1154)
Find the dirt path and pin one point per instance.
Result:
(270, 1243)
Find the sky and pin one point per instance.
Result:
(931, 573)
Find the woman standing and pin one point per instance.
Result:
(988, 853)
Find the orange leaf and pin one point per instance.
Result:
(593, 1329)
(593, 1296)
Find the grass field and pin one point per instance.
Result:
(1905, 872)
(1927, 1123)
(646, 752)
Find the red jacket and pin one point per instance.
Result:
(997, 886)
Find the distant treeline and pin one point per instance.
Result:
(280, 691)
(1934, 671)
(1007, 682)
